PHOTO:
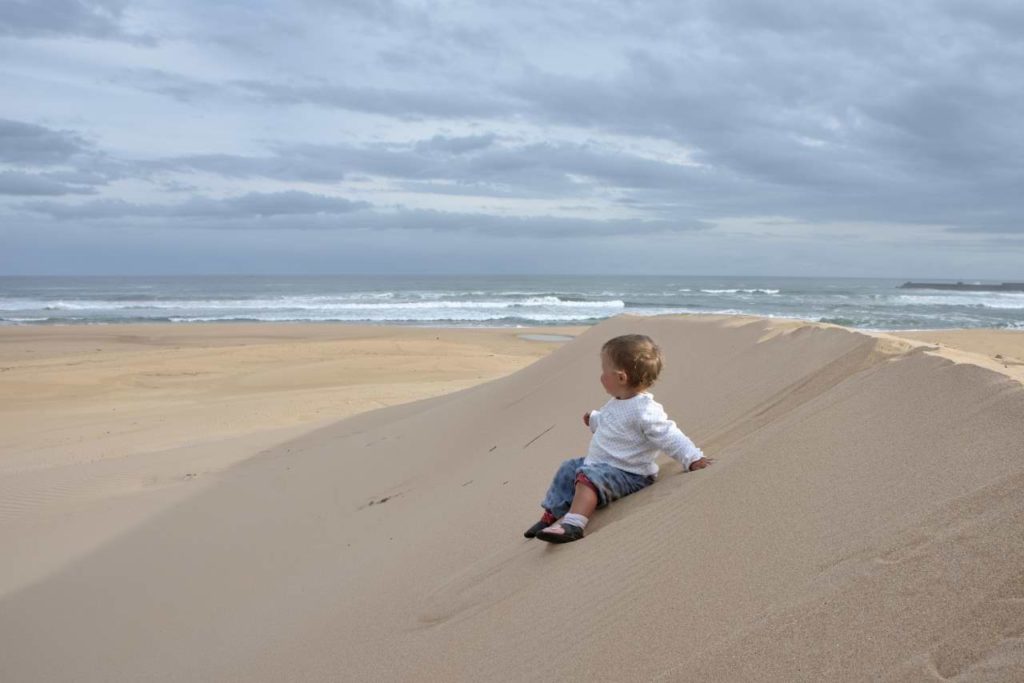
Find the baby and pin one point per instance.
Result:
(628, 433)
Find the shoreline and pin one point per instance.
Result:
(496, 301)
(529, 328)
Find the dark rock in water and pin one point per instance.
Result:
(964, 287)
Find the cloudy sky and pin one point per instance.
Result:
(856, 137)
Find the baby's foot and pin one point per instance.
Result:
(560, 532)
(546, 519)
(532, 531)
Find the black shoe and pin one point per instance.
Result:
(532, 531)
(571, 533)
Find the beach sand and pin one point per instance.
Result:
(101, 426)
(863, 519)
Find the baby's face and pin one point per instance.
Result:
(613, 380)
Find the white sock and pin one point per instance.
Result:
(575, 520)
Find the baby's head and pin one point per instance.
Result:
(631, 362)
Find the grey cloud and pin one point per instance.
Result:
(228, 165)
(386, 11)
(883, 122)
(28, 184)
(868, 110)
(248, 206)
(540, 169)
(301, 211)
(457, 145)
(312, 163)
(172, 85)
(290, 203)
(103, 172)
(851, 111)
(518, 226)
(90, 18)
(545, 170)
(72, 165)
(400, 103)
(797, 18)
(316, 163)
(293, 164)
(1003, 17)
(27, 143)
(99, 208)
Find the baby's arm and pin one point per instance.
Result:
(664, 434)
(590, 419)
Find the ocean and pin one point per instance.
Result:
(493, 301)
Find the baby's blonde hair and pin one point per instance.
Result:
(638, 356)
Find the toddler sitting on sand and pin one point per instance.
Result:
(628, 433)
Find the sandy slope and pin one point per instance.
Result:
(102, 426)
(864, 520)
(1002, 350)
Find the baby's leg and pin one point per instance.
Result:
(611, 483)
(562, 491)
(584, 500)
(570, 528)
(559, 497)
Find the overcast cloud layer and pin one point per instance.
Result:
(749, 137)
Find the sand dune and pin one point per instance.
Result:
(864, 519)
(103, 426)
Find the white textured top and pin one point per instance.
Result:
(628, 433)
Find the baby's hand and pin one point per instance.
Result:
(586, 418)
(700, 464)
